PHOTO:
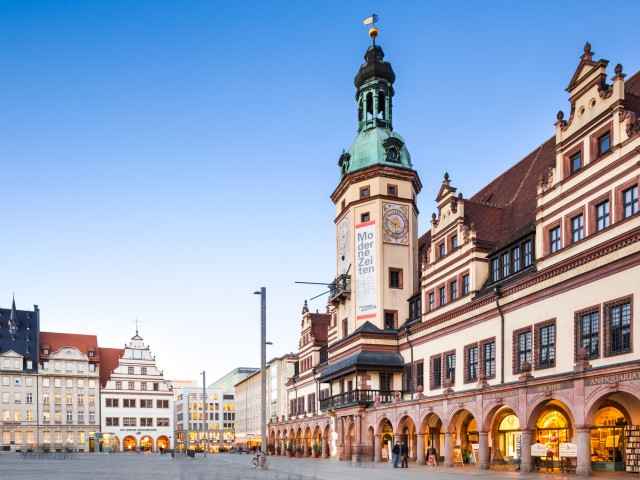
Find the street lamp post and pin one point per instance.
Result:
(263, 373)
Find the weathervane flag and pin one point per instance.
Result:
(371, 20)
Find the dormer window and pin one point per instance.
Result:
(91, 353)
(575, 162)
(604, 143)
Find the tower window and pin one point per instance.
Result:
(364, 217)
(390, 317)
(392, 190)
(365, 192)
(381, 106)
(369, 107)
(395, 278)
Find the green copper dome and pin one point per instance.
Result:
(376, 146)
(376, 142)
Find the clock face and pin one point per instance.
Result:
(396, 224)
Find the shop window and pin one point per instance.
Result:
(618, 328)
(552, 429)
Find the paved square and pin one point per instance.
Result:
(228, 467)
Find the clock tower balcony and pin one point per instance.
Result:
(340, 289)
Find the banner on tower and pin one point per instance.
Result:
(365, 271)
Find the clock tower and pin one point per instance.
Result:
(376, 215)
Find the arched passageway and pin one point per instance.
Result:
(383, 442)
(460, 437)
(407, 435)
(432, 440)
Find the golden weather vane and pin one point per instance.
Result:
(371, 22)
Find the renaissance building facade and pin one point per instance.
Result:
(507, 332)
(135, 399)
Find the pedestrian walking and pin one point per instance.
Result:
(404, 453)
(396, 455)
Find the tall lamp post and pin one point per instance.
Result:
(263, 373)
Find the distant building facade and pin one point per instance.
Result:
(19, 350)
(136, 401)
(249, 394)
(68, 391)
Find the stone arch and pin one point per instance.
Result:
(406, 433)
(299, 441)
(384, 439)
(625, 399)
(349, 439)
(162, 443)
(146, 443)
(371, 442)
(129, 443)
(431, 428)
(307, 441)
(326, 440)
(463, 428)
(316, 444)
(503, 426)
(552, 421)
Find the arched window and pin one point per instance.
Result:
(360, 110)
(381, 113)
(369, 111)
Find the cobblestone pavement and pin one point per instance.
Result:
(232, 467)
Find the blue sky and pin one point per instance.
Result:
(162, 160)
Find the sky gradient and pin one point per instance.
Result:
(162, 160)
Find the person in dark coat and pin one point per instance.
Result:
(404, 453)
(396, 454)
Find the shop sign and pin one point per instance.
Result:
(568, 450)
(613, 378)
(538, 450)
(551, 388)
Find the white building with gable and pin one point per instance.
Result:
(136, 401)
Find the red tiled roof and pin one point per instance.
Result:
(504, 210)
(109, 358)
(54, 341)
